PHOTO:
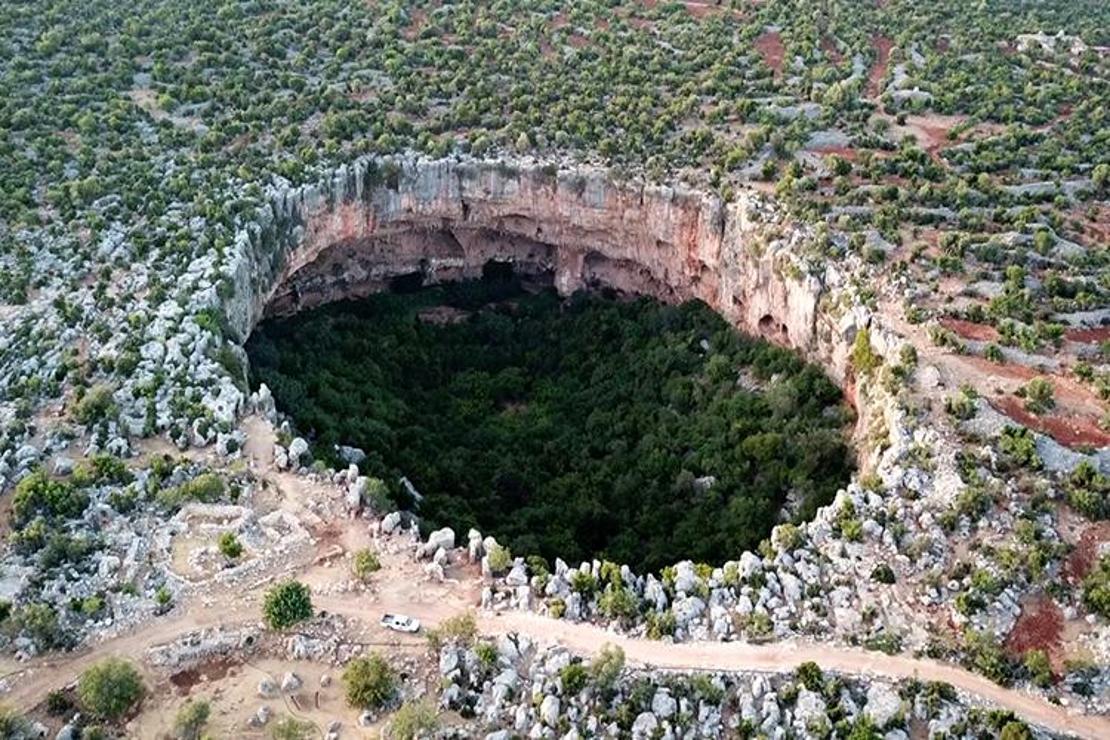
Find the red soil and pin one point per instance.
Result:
(970, 330)
(829, 47)
(1071, 430)
(841, 151)
(883, 45)
(1088, 336)
(1082, 558)
(771, 48)
(1038, 627)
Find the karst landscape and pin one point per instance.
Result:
(554, 369)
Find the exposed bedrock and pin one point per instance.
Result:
(428, 221)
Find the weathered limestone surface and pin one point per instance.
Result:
(379, 219)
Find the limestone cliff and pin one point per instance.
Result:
(437, 220)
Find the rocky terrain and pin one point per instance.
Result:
(940, 253)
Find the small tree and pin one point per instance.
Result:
(370, 682)
(365, 562)
(606, 668)
(499, 558)
(413, 720)
(191, 719)
(1038, 394)
(461, 629)
(286, 604)
(864, 358)
(110, 689)
(230, 546)
(291, 728)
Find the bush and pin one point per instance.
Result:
(1019, 446)
(291, 728)
(1038, 394)
(499, 559)
(1038, 667)
(110, 689)
(574, 678)
(461, 629)
(370, 683)
(618, 602)
(864, 358)
(230, 546)
(1015, 730)
(606, 668)
(286, 604)
(810, 675)
(13, 725)
(883, 573)
(190, 720)
(94, 406)
(1096, 588)
(413, 720)
(365, 563)
(1089, 491)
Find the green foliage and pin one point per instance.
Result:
(1038, 667)
(460, 629)
(110, 689)
(101, 469)
(1096, 588)
(594, 417)
(415, 719)
(191, 719)
(574, 678)
(500, 559)
(229, 545)
(37, 495)
(291, 728)
(986, 656)
(13, 725)
(1089, 491)
(619, 603)
(1038, 395)
(606, 668)
(365, 564)
(1015, 730)
(286, 604)
(883, 573)
(370, 682)
(810, 675)
(864, 358)
(1020, 447)
(95, 405)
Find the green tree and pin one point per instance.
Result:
(370, 682)
(415, 719)
(286, 604)
(365, 563)
(110, 689)
(191, 719)
(230, 546)
(606, 668)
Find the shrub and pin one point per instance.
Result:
(414, 719)
(110, 689)
(1015, 730)
(291, 728)
(461, 629)
(365, 563)
(286, 604)
(574, 678)
(810, 675)
(1019, 446)
(1038, 667)
(40, 623)
(370, 682)
(661, 624)
(618, 603)
(883, 573)
(583, 582)
(37, 495)
(606, 668)
(1038, 395)
(1089, 491)
(487, 654)
(499, 559)
(230, 546)
(190, 720)
(1096, 588)
(864, 358)
(94, 406)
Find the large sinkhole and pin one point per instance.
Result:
(592, 426)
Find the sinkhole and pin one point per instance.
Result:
(602, 424)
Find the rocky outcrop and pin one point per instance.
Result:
(408, 221)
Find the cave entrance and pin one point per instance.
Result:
(633, 430)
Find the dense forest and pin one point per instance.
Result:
(632, 430)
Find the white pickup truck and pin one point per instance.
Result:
(400, 623)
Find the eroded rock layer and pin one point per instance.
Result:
(379, 220)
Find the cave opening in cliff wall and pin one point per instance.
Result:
(596, 425)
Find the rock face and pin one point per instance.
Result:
(409, 221)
